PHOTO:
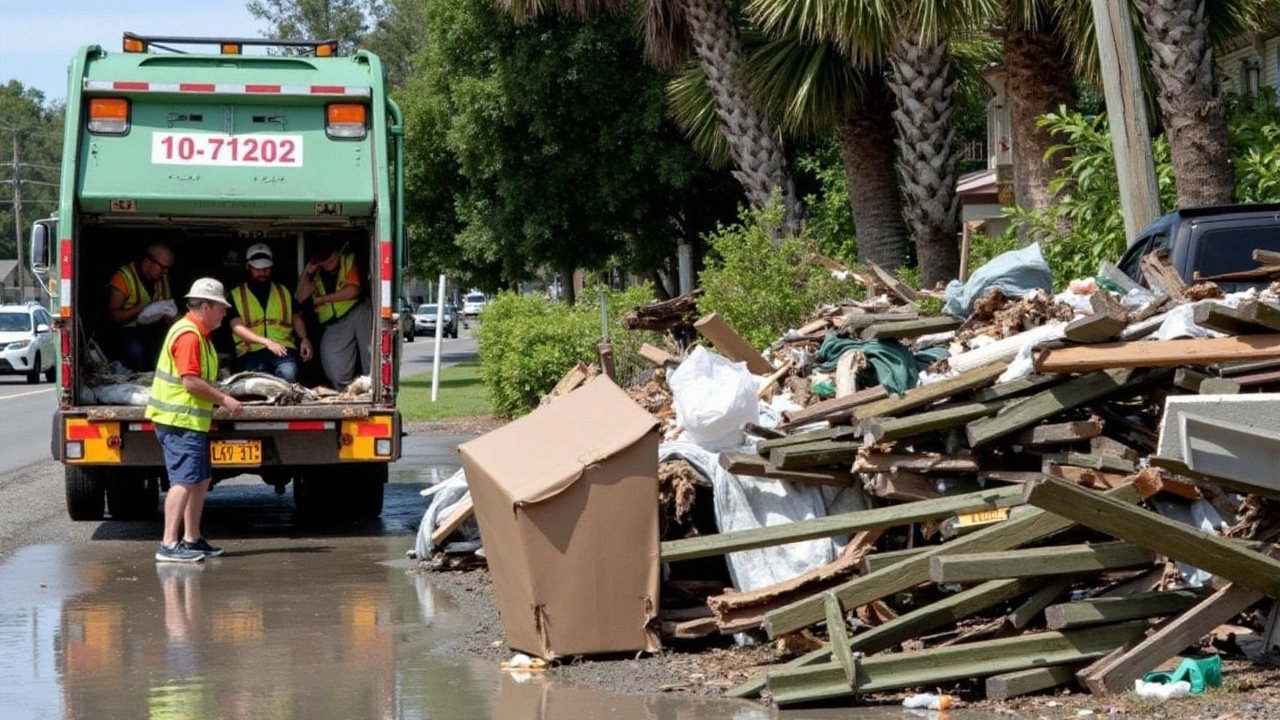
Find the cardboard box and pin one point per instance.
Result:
(567, 501)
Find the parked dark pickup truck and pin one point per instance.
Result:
(1210, 241)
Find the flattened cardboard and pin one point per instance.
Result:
(567, 502)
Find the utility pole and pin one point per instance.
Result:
(17, 216)
(1130, 138)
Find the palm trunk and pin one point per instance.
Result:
(926, 133)
(755, 149)
(1039, 81)
(1194, 116)
(868, 150)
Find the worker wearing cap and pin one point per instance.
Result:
(264, 323)
(133, 287)
(181, 408)
(331, 281)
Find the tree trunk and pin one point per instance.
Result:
(568, 294)
(1039, 80)
(870, 168)
(923, 86)
(754, 147)
(1194, 117)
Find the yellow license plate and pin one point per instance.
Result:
(235, 452)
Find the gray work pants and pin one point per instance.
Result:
(344, 348)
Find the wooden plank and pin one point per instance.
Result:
(814, 454)
(731, 345)
(1260, 313)
(577, 375)
(1224, 319)
(656, 356)
(839, 639)
(1270, 377)
(923, 395)
(874, 462)
(835, 409)
(1220, 386)
(766, 389)
(1116, 672)
(1035, 562)
(1188, 379)
(1094, 328)
(892, 284)
(1160, 274)
(1158, 533)
(855, 323)
(453, 522)
(762, 432)
(1097, 611)
(904, 486)
(1060, 433)
(1020, 529)
(840, 432)
(911, 328)
(1104, 445)
(1088, 460)
(892, 671)
(756, 466)
(1005, 349)
(1169, 353)
(1024, 682)
(1047, 403)
(951, 609)
(1017, 388)
(1266, 257)
(1151, 481)
(877, 560)
(1051, 589)
(886, 429)
(841, 524)
(1085, 477)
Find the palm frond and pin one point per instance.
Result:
(694, 110)
(667, 42)
(526, 10)
(806, 87)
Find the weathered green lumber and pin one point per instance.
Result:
(886, 429)
(1098, 611)
(834, 410)
(938, 665)
(1022, 615)
(756, 466)
(923, 395)
(1260, 313)
(1024, 682)
(1034, 562)
(876, 560)
(840, 432)
(1116, 672)
(841, 524)
(814, 454)
(876, 462)
(911, 328)
(838, 636)
(1211, 553)
(1216, 316)
(1189, 379)
(1109, 463)
(852, 324)
(1016, 388)
(1094, 328)
(1046, 404)
(1220, 386)
(1060, 433)
(1018, 530)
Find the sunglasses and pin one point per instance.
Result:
(157, 262)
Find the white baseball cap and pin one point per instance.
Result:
(208, 289)
(258, 256)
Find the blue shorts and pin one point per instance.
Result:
(186, 454)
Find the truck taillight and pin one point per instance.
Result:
(66, 363)
(345, 121)
(134, 45)
(109, 116)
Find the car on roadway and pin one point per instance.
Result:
(473, 303)
(27, 342)
(425, 320)
(407, 324)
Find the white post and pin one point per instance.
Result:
(435, 362)
(684, 257)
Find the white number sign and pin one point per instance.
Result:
(170, 148)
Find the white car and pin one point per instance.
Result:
(473, 303)
(27, 342)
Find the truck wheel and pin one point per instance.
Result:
(51, 375)
(85, 497)
(33, 377)
(132, 497)
(409, 336)
(368, 489)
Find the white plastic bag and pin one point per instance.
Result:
(157, 310)
(714, 397)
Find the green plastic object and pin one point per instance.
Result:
(1202, 673)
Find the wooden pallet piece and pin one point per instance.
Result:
(1050, 590)
(814, 454)
(1035, 562)
(1160, 273)
(855, 323)
(892, 284)
(1018, 388)
(841, 432)
(887, 429)
(838, 633)
(923, 395)
(656, 356)
(1169, 353)
(903, 329)
(453, 522)
(756, 466)
(1024, 682)
(1060, 433)
(834, 410)
(874, 462)
(1260, 313)
(1224, 319)
(1099, 611)
(731, 345)
(1088, 460)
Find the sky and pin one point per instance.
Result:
(38, 37)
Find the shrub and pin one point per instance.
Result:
(761, 290)
(526, 344)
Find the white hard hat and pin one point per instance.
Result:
(208, 289)
(258, 256)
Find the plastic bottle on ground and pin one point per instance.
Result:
(928, 701)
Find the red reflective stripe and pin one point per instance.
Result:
(83, 432)
(262, 88)
(196, 87)
(328, 90)
(373, 429)
(64, 261)
(386, 260)
(306, 425)
(148, 427)
(124, 85)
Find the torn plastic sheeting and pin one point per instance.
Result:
(446, 497)
(1015, 273)
(743, 502)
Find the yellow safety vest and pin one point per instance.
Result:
(136, 292)
(335, 310)
(170, 402)
(274, 323)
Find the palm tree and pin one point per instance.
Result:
(675, 30)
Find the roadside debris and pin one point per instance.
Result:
(1049, 490)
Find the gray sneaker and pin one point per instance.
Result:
(178, 553)
(201, 546)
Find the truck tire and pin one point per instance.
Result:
(33, 377)
(368, 484)
(86, 499)
(132, 496)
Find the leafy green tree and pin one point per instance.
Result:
(346, 21)
(34, 127)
